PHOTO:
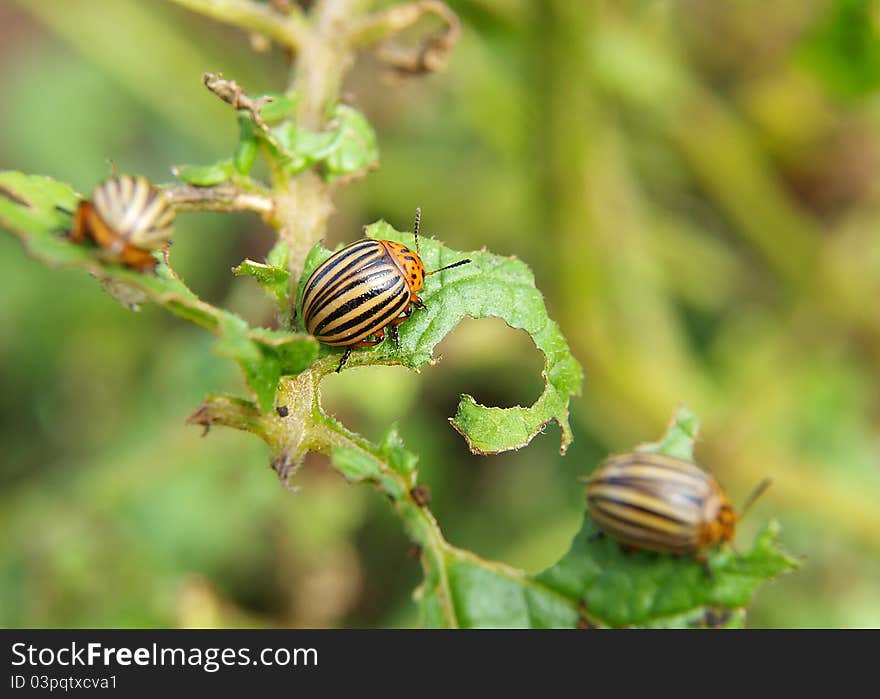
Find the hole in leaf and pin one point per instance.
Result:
(489, 360)
(368, 399)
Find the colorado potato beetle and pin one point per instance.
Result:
(127, 218)
(659, 503)
(362, 290)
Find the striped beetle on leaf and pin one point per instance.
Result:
(362, 290)
(659, 503)
(127, 217)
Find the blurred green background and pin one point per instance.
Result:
(693, 184)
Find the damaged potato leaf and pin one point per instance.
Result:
(272, 279)
(597, 584)
(348, 148)
(490, 286)
(357, 149)
(647, 589)
(36, 210)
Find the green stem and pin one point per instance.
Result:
(289, 30)
(238, 196)
(303, 202)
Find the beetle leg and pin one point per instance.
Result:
(397, 321)
(418, 303)
(406, 314)
(141, 260)
(379, 336)
(344, 359)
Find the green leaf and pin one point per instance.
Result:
(490, 286)
(205, 175)
(304, 148)
(348, 148)
(262, 371)
(842, 49)
(678, 441)
(295, 352)
(280, 108)
(247, 147)
(30, 209)
(391, 447)
(279, 254)
(648, 589)
(274, 280)
(357, 149)
(36, 201)
(597, 584)
(368, 462)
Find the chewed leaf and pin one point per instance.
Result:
(271, 278)
(679, 438)
(357, 149)
(599, 584)
(490, 286)
(36, 210)
(618, 588)
(651, 589)
(36, 203)
(347, 148)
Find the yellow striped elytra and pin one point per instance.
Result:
(362, 290)
(659, 503)
(126, 218)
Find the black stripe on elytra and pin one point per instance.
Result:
(371, 328)
(617, 523)
(660, 540)
(394, 297)
(653, 487)
(343, 256)
(317, 289)
(393, 288)
(342, 283)
(599, 499)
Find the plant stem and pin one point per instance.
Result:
(289, 30)
(302, 207)
(225, 197)
(303, 202)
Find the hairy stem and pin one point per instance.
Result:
(303, 202)
(225, 197)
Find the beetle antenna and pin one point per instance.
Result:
(112, 164)
(416, 229)
(756, 493)
(454, 264)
